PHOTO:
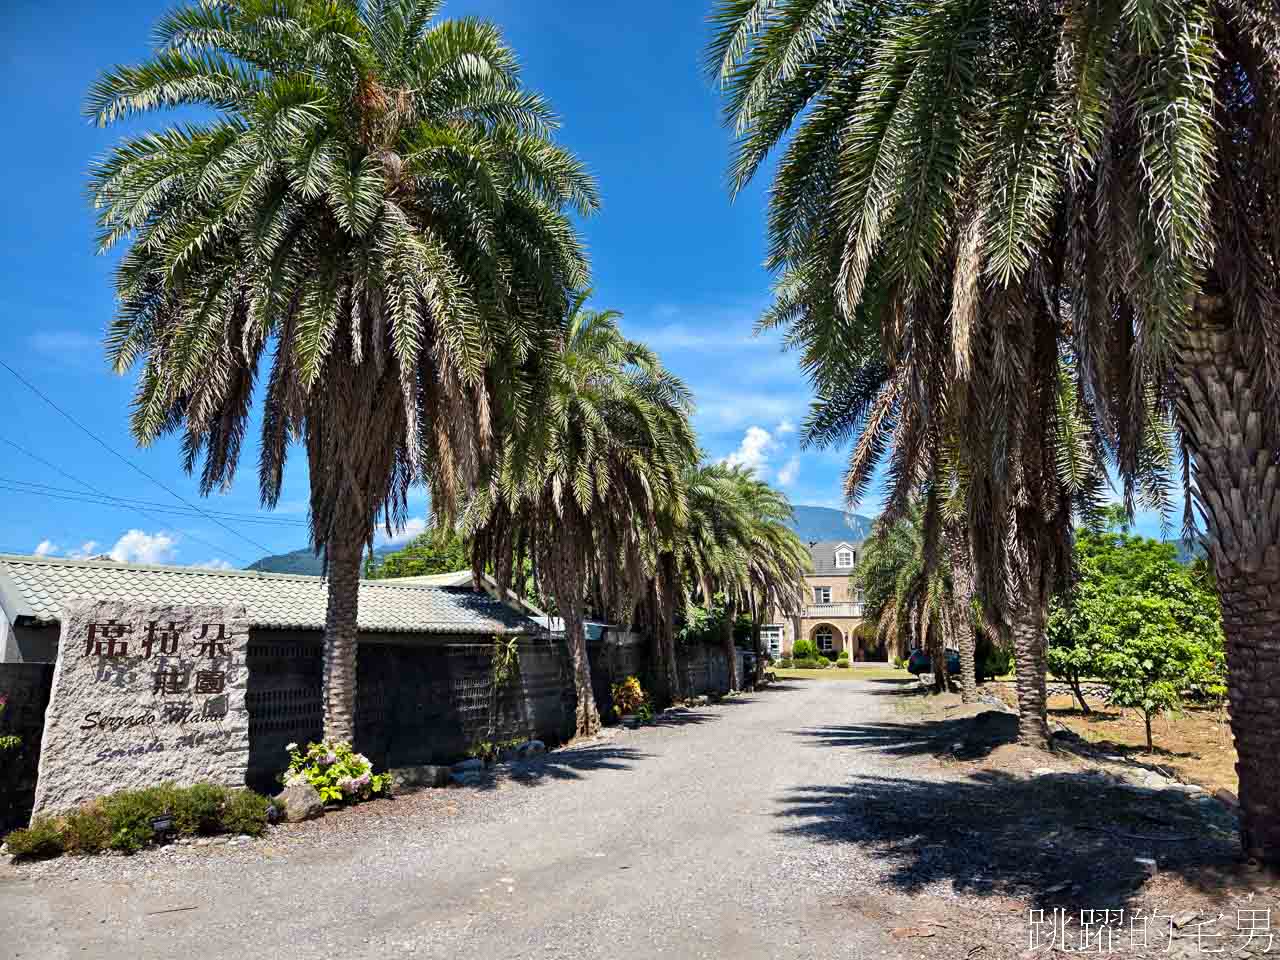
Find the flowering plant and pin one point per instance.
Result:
(336, 771)
(628, 696)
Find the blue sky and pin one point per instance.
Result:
(669, 250)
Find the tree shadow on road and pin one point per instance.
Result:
(967, 736)
(572, 763)
(1064, 840)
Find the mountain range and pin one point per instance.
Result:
(811, 523)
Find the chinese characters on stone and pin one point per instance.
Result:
(112, 640)
(1112, 931)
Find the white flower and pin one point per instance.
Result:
(291, 747)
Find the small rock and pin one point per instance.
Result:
(1184, 918)
(531, 748)
(1147, 865)
(474, 764)
(1187, 788)
(426, 775)
(1043, 771)
(465, 778)
(1226, 797)
(299, 802)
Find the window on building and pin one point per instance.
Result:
(845, 558)
(821, 594)
(824, 639)
(771, 634)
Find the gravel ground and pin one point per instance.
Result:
(810, 820)
(679, 840)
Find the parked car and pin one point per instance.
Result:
(919, 662)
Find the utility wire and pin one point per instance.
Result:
(88, 486)
(44, 489)
(121, 457)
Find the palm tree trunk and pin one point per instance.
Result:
(586, 719)
(665, 598)
(1234, 446)
(936, 645)
(1028, 642)
(730, 651)
(962, 587)
(340, 626)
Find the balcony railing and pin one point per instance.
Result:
(847, 609)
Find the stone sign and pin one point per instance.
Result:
(143, 695)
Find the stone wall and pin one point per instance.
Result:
(26, 688)
(422, 699)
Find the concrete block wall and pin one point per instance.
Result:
(25, 687)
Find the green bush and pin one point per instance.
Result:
(197, 809)
(245, 812)
(999, 662)
(42, 839)
(785, 663)
(86, 830)
(804, 650)
(843, 664)
(129, 814)
(813, 663)
(843, 655)
(900, 663)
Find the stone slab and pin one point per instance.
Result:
(144, 694)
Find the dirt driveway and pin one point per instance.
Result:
(810, 820)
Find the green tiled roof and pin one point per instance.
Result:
(38, 587)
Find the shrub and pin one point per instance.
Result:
(900, 663)
(843, 663)
(42, 839)
(197, 808)
(813, 663)
(804, 650)
(628, 696)
(336, 771)
(785, 663)
(999, 662)
(129, 814)
(86, 830)
(245, 812)
(843, 655)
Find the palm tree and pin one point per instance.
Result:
(777, 559)
(710, 548)
(372, 198)
(580, 486)
(930, 222)
(908, 585)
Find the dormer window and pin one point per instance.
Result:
(845, 558)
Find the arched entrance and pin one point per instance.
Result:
(827, 638)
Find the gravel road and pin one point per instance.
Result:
(691, 839)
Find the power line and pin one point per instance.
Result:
(88, 486)
(62, 493)
(121, 457)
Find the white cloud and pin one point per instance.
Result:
(753, 452)
(412, 528)
(137, 546)
(784, 426)
(679, 336)
(215, 564)
(790, 470)
(47, 548)
(84, 551)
